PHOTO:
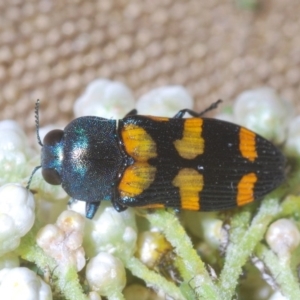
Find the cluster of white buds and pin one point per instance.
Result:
(111, 231)
(263, 111)
(112, 99)
(111, 236)
(63, 240)
(22, 283)
(105, 98)
(14, 152)
(164, 101)
(16, 215)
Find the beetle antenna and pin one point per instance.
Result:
(33, 172)
(37, 126)
(37, 121)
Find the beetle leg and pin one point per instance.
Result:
(133, 112)
(195, 114)
(116, 204)
(118, 207)
(91, 208)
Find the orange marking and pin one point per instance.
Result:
(192, 143)
(154, 205)
(245, 189)
(136, 179)
(248, 144)
(138, 143)
(159, 119)
(190, 183)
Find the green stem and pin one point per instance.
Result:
(245, 242)
(199, 278)
(68, 283)
(238, 253)
(239, 223)
(281, 271)
(153, 279)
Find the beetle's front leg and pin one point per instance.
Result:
(91, 209)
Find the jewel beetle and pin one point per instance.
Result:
(156, 162)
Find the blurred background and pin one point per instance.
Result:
(51, 50)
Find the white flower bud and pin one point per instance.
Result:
(165, 101)
(16, 215)
(47, 211)
(292, 144)
(283, 237)
(278, 296)
(105, 274)
(9, 235)
(105, 98)
(63, 241)
(50, 234)
(12, 136)
(151, 247)
(14, 151)
(74, 240)
(209, 227)
(94, 296)
(264, 112)
(111, 231)
(79, 258)
(22, 283)
(213, 232)
(68, 221)
(18, 203)
(77, 205)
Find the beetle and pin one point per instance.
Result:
(157, 162)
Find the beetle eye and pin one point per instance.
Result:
(53, 137)
(51, 176)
